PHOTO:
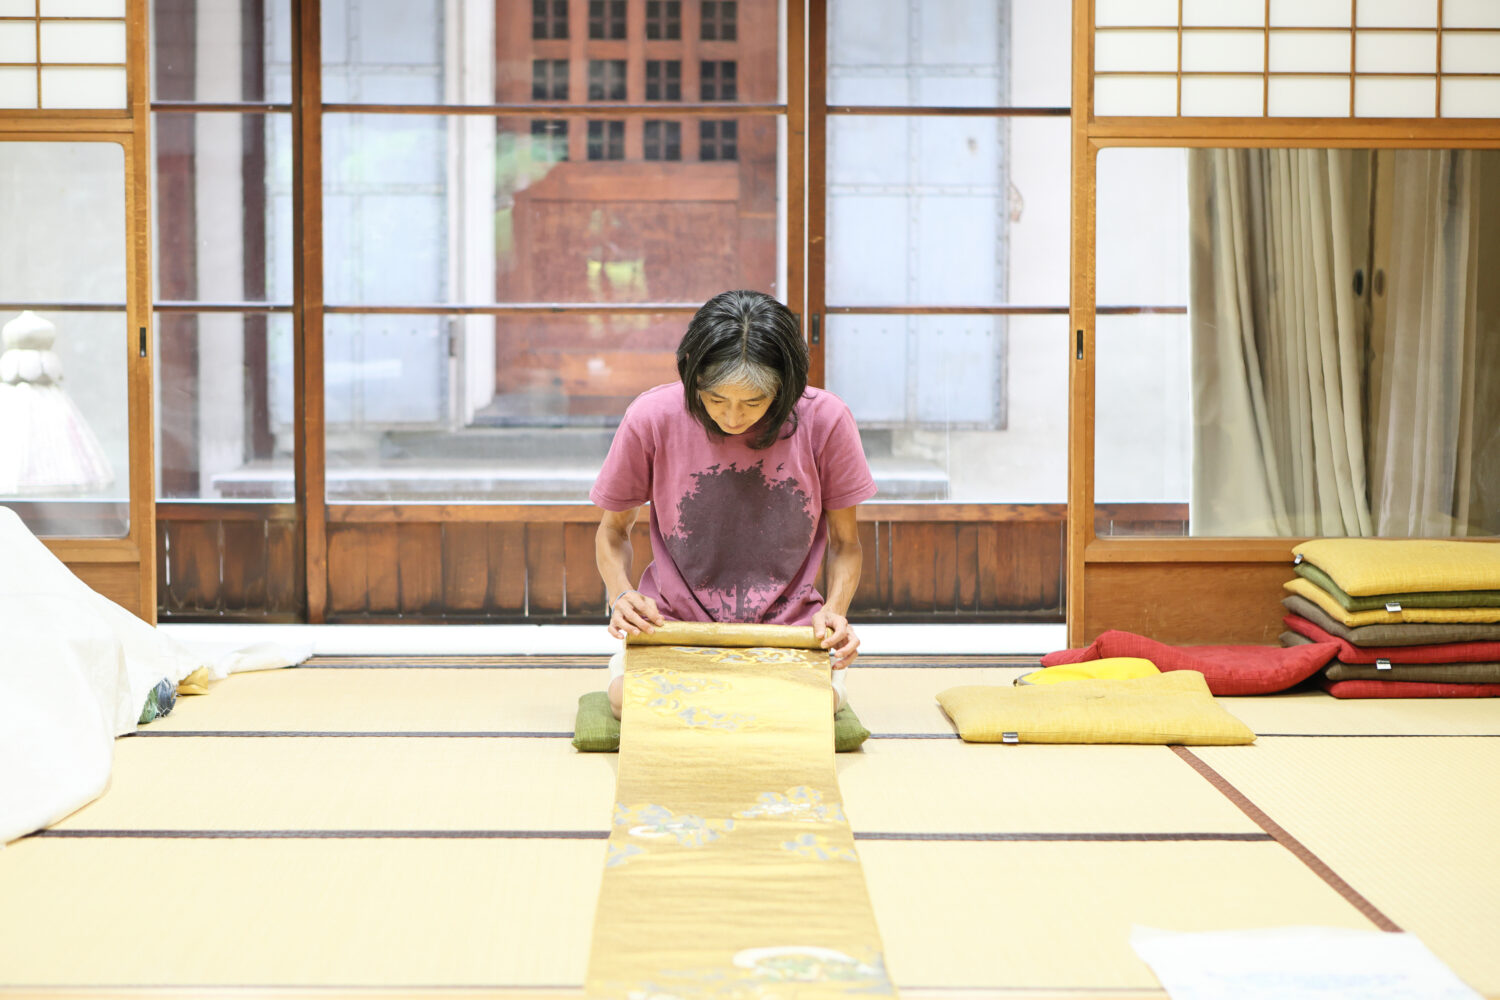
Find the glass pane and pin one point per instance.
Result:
(527, 412)
(426, 210)
(969, 409)
(963, 53)
(1336, 370)
(222, 218)
(64, 432)
(1142, 421)
(409, 52)
(224, 406)
(64, 436)
(215, 52)
(947, 211)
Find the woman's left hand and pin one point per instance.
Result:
(840, 640)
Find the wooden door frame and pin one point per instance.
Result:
(1146, 560)
(123, 569)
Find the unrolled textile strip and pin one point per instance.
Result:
(731, 870)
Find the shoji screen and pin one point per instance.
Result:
(1297, 58)
(62, 54)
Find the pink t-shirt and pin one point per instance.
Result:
(737, 535)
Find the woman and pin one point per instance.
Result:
(752, 477)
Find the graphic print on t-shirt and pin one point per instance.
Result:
(740, 538)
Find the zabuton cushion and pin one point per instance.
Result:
(1408, 689)
(1229, 670)
(1111, 668)
(1163, 708)
(1365, 566)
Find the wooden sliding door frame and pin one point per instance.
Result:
(1091, 135)
(105, 562)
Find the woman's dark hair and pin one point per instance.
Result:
(745, 337)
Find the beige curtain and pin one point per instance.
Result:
(1278, 443)
(1424, 347)
(1313, 414)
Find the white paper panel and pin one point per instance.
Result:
(1233, 96)
(1466, 97)
(1311, 13)
(1397, 14)
(86, 87)
(1395, 52)
(1394, 97)
(1135, 95)
(1471, 14)
(1224, 51)
(1310, 51)
(17, 8)
(83, 42)
(17, 87)
(1135, 51)
(1228, 13)
(1466, 52)
(1124, 13)
(17, 41)
(1309, 97)
(83, 8)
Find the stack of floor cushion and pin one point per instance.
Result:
(1413, 618)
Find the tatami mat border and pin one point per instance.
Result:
(471, 734)
(353, 991)
(595, 661)
(1081, 838)
(1278, 833)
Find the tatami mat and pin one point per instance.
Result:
(1315, 713)
(506, 784)
(460, 699)
(1409, 823)
(890, 702)
(515, 913)
(356, 783)
(507, 699)
(956, 787)
(297, 912)
(1058, 916)
(1017, 871)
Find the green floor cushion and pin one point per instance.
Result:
(596, 730)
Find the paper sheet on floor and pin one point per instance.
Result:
(1296, 963)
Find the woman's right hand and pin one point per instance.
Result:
(633, 614)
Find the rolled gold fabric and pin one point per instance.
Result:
(731, 870)
(719, 634)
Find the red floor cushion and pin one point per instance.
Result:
(1229, 670)
(1409, 689)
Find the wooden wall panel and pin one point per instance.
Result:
(382, 546)
(195, 558)
(466, 567)
(583, 586)
(348, 553)
(507, 570)
(545, 553)
(120, 582)
(419, 569)
(285, 587)
(245, 550)
(1186, 602)
(240, 562)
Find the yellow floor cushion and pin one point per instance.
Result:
(1174, 707)
(1364, 566)
(1105, 668)
(1353, 619)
